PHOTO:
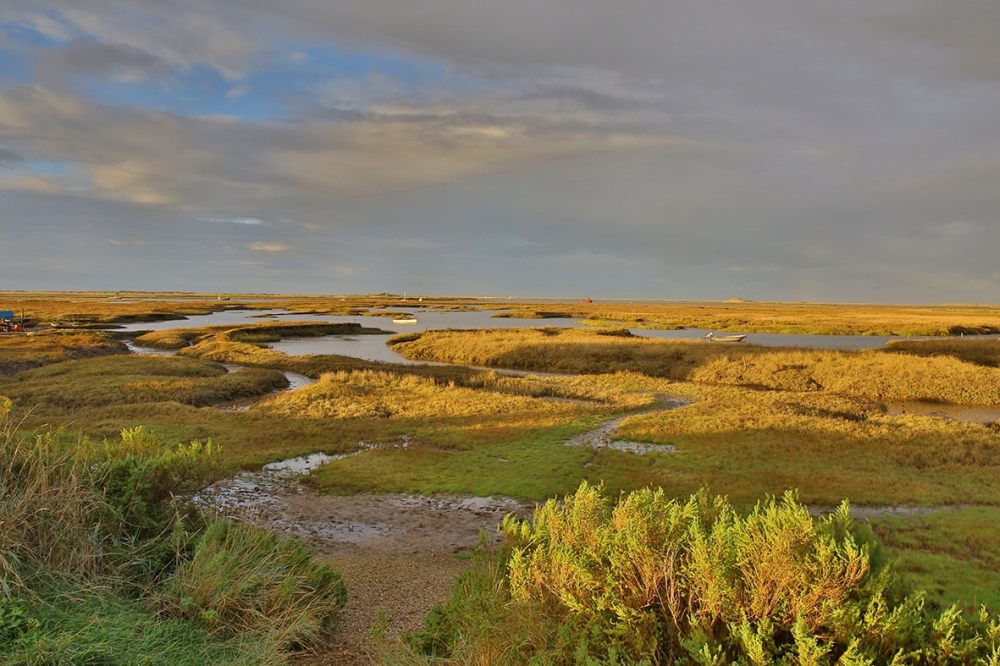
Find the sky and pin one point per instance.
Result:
(667, 149)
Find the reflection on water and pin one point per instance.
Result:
(967, 413)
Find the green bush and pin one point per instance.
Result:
(651, 580)
(241, 579)
(144, 480)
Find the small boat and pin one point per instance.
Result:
(712, 337)
(405, 320)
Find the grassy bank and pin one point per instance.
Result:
(101, 561)
(21, 352)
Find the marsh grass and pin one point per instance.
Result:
(789, 318)
(814, 318)
(95, 625)
(980, 352)
(369, 393)
(119, 380)
(48, 510)
(869, 374)
(953, 553)
(254, 334)
(21, 352)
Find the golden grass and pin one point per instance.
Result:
(368, 393)
(810, 318)
(875, 375)
(67, 387)
(20, 352)
(980, 352)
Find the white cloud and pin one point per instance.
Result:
(247, 221)
(268, 247)
(237, 91)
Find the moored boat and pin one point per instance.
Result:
(712, 337)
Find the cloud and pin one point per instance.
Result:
(268, 247)
(237, 92)
(155, 158)
(853, 145)
(118, 62)
(9, 156)
(121, 243)
(247, 221)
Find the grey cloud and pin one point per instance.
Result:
(769, 149)
(115, 61)
(8, 156)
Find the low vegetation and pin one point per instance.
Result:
(981, 352)
(875, 375)
(20, 352)
(97, 547)
(791, 318)
(651, 580)
(124, 380)
(97, 527)
(256, 334)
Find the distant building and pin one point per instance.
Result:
(586, 301)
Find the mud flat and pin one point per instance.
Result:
(397, 552)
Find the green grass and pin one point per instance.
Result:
(535, 466)
(951, 553)
(87, 626)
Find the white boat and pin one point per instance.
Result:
(405, 320)
(712, 337)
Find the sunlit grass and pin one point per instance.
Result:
(876, 375)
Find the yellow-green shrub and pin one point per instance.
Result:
(650, 580)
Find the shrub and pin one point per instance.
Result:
(652, 580)
(241, 579)
(144, 479)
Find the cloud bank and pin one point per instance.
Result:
(774, 149)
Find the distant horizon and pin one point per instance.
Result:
(773, 150)
(733, 300)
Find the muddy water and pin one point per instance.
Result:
(967, 413)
